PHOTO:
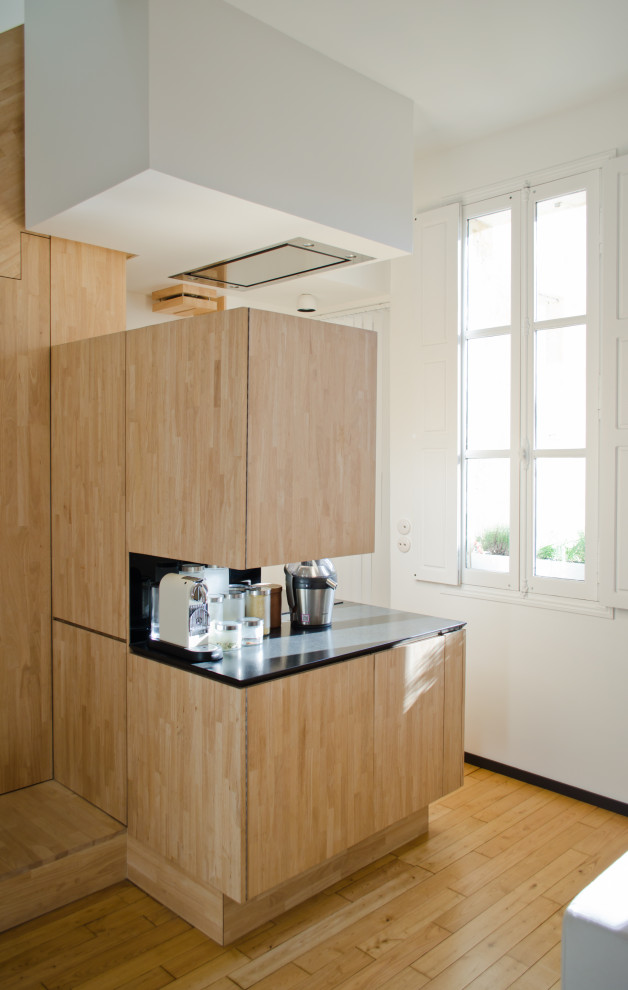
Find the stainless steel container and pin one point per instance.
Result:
(310, 590)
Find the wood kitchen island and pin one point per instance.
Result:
(260, 780)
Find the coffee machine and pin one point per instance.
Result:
(310, 590)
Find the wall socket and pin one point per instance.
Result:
(404, 527)
(403, 544)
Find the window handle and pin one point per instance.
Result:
(524, 455)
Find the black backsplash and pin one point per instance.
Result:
(144, 571)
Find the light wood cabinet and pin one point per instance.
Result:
(89, 568)
(88, 291)
(409, 720)
(250, 439)
(419, 724)
(453, 721)
(245, 801)
(11, 150)
(89, 706)
(25, 687)
(309, 769)
(186, 438)
(187, 774)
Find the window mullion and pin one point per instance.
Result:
(525, 469)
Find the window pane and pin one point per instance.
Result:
(488, 514)
(488, 271)
(561, 257)
(488, 393)
(560, 515)
(560, 388)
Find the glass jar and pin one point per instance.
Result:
(233, 607)
(252, 631)
(226, 634)
(216, 579)
(215, 607)
(258, 604)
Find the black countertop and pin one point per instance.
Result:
(356, 630)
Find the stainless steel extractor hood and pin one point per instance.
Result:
(277, 263)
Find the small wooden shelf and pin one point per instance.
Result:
(54, 848)
(187, 300)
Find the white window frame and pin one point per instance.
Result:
(520, 578)
(475, 576)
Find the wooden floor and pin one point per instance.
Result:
(477, 903)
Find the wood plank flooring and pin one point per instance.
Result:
(476, 904)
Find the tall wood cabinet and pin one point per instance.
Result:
(238, 438)
(89, 566)
(25, 686)
(250, 439)
(89, 560)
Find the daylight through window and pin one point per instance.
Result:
(529, 389)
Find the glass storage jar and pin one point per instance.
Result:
(215, 607)
(233, 606)
(258, 604)
(252, 631)
(226, 634)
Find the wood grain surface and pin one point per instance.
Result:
(186, 438)
(453, 721)
(311, 454)
(90, 744)
(89, 562)
(25, 705)
(240, 919)
(199, 903)
(476, 903)
(11, 150)
(186, 772)
(310, 769)
(88, 291)
(54, 847)
(409, 707)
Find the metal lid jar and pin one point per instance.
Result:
(258, 604)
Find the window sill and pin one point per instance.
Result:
(576, 605)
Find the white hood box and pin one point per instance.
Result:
(192, 131)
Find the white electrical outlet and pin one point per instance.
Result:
(403, 544)
(404, 527)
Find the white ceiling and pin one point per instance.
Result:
(471, 66)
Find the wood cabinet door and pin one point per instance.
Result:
(89, 564)
(310, 769)
(186, 438)
(409, 699)
(453, 753)
(186, 772)
(311, 450)
(25, 700)
(89, 704)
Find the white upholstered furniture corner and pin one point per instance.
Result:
(595, 933)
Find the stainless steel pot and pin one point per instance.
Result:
(310, 590)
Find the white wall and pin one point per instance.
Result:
(242, 108)
(587, 130)
(546, 690)
(207, 95)
(86, 100)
